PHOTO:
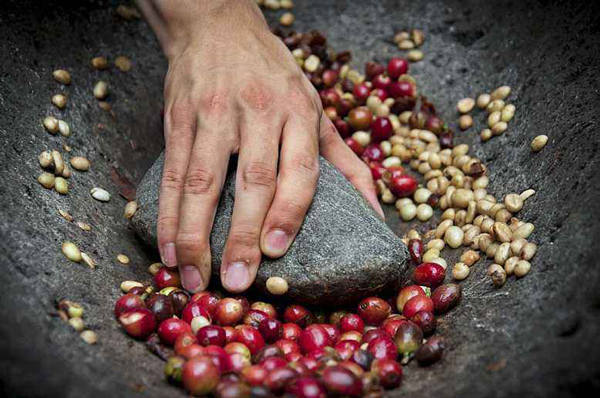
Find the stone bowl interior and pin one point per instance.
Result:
(534, 337)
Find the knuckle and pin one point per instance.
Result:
(257, 96)
(306, 166)
(172, 180)
(199, 182)
(258, 174)
(246, 236)
(191, 243)
(328, 134)
(304, 103)
(215, 103)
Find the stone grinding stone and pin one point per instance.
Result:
(342, 252)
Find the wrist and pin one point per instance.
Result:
(179, 24)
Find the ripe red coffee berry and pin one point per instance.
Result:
(381, 82)
(399, 90)
(361, 93)
(192, 310)
(240, 348)
(211, 335)
(271, 329)
(381, 93)
(373, 310)
(170, 329)
(184, 340)
(267, 308)
(360, 118)
(229, 311)
(373, 153)
(377, 170)
(354, 146)
(341, 382)
(426, 321)
(403, 185)
(273, 363)
(381, 129)
(254, 375)
(388, 371)
(329, 97)
(128, 302)
(297, 314)
(314, 337)
(351, 322)
(139, 323)
(161, 307)
(342, 127)
(200, 376)
(166, 278)
(235, 362)
(287, 346)
(406, 293)
(306, 387)
(429, 274)
(416, 249)
(373, 69)
(397, 67)
(207, 300)
(229, 333)
(383, 347)
(191, 351)
(250, 337)
(332, 331)
(254, 318)
(218, 356)
(446, 297)
(330, 77)
(374, 333)
(279, 378)
(266, 352)
(417, 304)
(346, 348)
(291, 331)
(390, 326)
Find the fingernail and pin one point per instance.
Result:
(169, 257)
(190, 277)
(236, 277)
(276, 242)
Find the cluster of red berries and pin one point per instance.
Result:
(344, 101)
(229, 347)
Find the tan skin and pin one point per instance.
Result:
(234, 88)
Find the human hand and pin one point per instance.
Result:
(234, 88)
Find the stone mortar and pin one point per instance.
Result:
(535, 337)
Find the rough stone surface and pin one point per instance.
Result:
(343, 250)
(535, 337)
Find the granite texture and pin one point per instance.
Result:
(535, 337)
(342, 251)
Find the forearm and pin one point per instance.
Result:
(177, 23)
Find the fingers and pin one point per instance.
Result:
(180, 129)
(201, 190)
(334, 149)
(296, 183)
(255, 187)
